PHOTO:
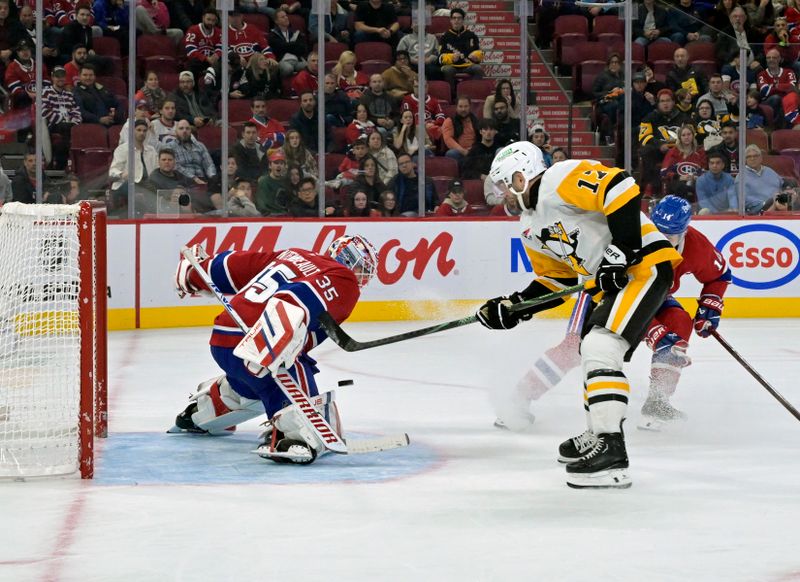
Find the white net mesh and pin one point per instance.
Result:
(40, 343)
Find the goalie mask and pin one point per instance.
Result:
(522, 157)
(357, 254)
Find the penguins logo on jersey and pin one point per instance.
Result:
(564, 245)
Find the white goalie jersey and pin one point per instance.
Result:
(567, 233)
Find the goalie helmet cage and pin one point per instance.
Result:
(53, 369)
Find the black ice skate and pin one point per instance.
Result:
(658, 412)
(604, 467)
(576, 448)
(184, 422)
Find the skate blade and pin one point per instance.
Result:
(178, 430)
(610, 479)
(522, 425)
(651, 423)
(568, 460)
(265, 453)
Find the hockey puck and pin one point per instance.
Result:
(345, 383)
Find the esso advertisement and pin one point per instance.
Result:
(762, 256)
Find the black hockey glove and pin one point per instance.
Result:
(495, 314)
(612, 274)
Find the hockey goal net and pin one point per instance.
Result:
(52, 338)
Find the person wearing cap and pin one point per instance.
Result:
(657, 134)
(191, 104)
(272, 194)
(60, 112)
(141, 111)
(461, 50)
(540, 138)
(454, 204)
(97, 104)
(145, 162)
(20, 76)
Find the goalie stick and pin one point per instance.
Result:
(778, 396)
(289, 387)
(348, 344)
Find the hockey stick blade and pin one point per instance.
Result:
(348, 344)
(386, 443)
(777, 395)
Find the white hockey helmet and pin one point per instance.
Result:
(357, 254)
(520, 156)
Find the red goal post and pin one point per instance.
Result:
(53, 330)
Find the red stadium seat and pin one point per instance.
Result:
(333, 50)
(441, 166)
(88, 135)
(758, 137)
(584, 51)
(440, 90)
(374, 51)
(298, 23)
(211, 137)
(701, 51)
(154, 45)
(662, 51)
(568, 30)
(168, 82)
(91, 166)
(160, 65)
(475, 88)
(108, 46)
(608, 28)
(374, 67)
(785, 139)
(239, 111)
(332, 163)
(584, 75)
(439, 25)
(115, 85)
(282, 109)
(783, 165)
(258, 20)
(113, 136)
(473, 192)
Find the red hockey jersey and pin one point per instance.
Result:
(247, 41)
(313, 282)
(20, 78)
(702, 260)
(200, 44)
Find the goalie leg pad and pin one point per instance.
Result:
(219, 406)
(291, 422)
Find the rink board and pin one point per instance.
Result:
(429, 269)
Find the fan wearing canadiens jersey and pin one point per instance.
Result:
(284, 292)
(582, 219)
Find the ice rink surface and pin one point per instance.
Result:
(715, 498)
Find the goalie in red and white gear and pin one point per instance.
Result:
(279, 296)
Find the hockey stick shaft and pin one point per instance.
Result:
(347, 343)
(283, 379)
(779, 397)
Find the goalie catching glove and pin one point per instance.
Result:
(276, 339)
(709, 310)
(495, 313)
(183, 285)
(612, 274)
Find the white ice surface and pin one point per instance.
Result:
(717, 498)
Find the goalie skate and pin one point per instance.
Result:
(287, 451)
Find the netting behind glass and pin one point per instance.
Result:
(39, 340)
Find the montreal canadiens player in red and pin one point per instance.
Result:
(287, 290)
(668, 334)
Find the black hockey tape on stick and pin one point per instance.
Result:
(728, 348)
(348, 344)
(345, 383)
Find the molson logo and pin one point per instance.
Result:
(761, 256)
(394, 259)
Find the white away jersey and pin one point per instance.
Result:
(567, 233)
